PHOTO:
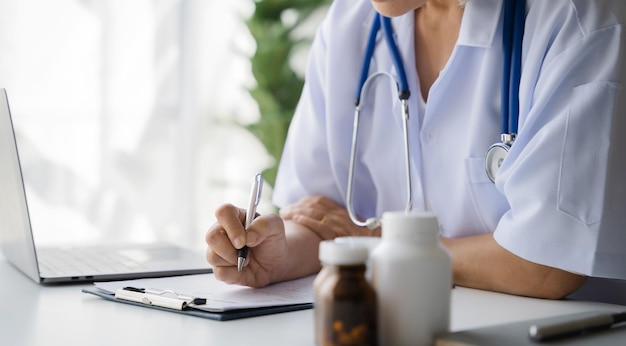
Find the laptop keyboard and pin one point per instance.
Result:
(84, 261)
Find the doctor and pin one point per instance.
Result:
(556, 213)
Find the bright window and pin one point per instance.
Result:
(126, 115)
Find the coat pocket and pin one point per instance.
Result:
(488, 202)
(585, 151)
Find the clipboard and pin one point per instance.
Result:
(202, 295)
(218, 316)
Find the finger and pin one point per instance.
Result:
(313, 206)
(324, 202)
(216, 260)
(229, 275)
(320, 228)
(232, 221)
(306, 206)
(286, 213)
(314, 213)
(214, 227)
(221, 250)
(292, 210)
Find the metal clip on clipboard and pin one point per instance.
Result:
(158, 298)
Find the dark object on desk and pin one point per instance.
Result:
(219, 316)
(585, 325)
(517, 334)
(346, 309)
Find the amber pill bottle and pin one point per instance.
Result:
(345, 301)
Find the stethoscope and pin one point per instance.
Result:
(512, 34)
(513, 31)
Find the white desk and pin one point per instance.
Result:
(32, 314)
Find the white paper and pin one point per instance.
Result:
(221, 296)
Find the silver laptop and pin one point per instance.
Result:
(70, 264)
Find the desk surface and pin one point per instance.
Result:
(32, 314)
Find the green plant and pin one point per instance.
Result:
(278, 86)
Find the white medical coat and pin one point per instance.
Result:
(560, 195)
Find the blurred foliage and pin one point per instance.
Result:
(278, 87)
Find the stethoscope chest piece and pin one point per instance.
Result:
(496, 155)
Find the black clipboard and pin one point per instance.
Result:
(218, 316)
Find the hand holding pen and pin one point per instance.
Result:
(255, 198)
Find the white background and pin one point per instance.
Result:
(128, 115)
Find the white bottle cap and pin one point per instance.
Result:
(332, 252)
(412, 223)
(368, 242)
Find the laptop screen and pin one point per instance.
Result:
(15, 230)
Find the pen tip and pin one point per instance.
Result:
(240, 261)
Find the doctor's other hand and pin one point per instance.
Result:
(265, 238)
(324, 217)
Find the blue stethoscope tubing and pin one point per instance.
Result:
(403, 94)
(514, 55)
(512, 34)
(403, 84)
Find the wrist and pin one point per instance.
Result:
(301, 255)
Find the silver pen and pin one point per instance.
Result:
(576, 326)
(255, 198)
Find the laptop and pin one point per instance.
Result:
(72, 264)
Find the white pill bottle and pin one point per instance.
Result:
(412, 276)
